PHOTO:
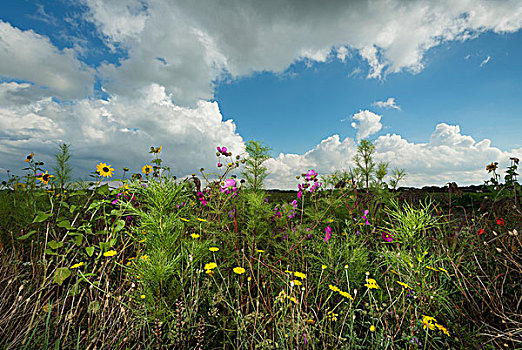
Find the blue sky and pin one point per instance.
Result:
(434, 84)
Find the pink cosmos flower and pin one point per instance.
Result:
(299, 194)
(328, 233)
(229, 186)
(388, 237)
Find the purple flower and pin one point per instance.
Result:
(304, 336)
(299, 194)
(328, 233)
(294, 204)
(231, 213)
(388, 237)
(219, 165)
(310, 175)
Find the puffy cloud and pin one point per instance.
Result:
(188, 46)
(28, 56)
(369, 123)
(389, 103)
(119, 132)
(449, 156)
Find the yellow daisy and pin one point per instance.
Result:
(210, 266)
(110, 253)
(239, 270)
(194, 235)
(213, 249)
(75, 266)
(147, 169)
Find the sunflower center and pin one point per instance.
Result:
(105, 169)
(45, 177)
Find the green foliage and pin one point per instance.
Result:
(254, 170)
(62, 170)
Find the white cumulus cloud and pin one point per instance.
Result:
(389, 103)
(369, 123)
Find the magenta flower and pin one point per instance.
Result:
(328, 233)
(229, 186)
(388, 237)
(219, 165)
(310, 175)
(299, 194)
(364, 216)
(294, 204)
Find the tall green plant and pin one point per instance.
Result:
(62, 169)
(255, 172)
(364, 162)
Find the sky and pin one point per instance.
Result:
(435, 85)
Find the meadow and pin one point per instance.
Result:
(208, 262)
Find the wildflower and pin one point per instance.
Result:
(202, 220)
(142, 241)
(156, 150)
(324, 267)
(29, 157)
(260, 250)
(372, 328)
(492, 166)
(294, 300)
(296, 283)
(144, 257)
(500, 221)
(300, 275)
(229, 186)
(110, 253)
(194, 235)
(142, 296)
(183, 219)
(328, 233)
(442, 329)
(372, 284)
(481, 231)
(431, 268)
(443, 270)
(345, 294)
(239, 270)
(332, 316)
(104, 170)
(213, 249)
(333, 288)
(515, 159)
(45, 178)
(388, 237)
(428, 322)
(405, 285)
(147, 169)
(75, 266)
(210, 266)
(299, 194)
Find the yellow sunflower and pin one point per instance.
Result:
(492, 166)
(29, 157)
(146, 169)
(104, 170)
(45, 178)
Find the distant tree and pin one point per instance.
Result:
(62, 169)
(254, 170)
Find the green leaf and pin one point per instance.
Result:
(55, 245)
(119, 225)
(103, 190)
(27, 235)
(115, 212)
(72, 208)
(112, 242)
(41, 216)
(89, 250)
(65, 224)
(61, 274)
(50, 252)
(79, 240)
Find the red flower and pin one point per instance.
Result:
(481, 231)
(500, 221)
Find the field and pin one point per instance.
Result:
(205, 263)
